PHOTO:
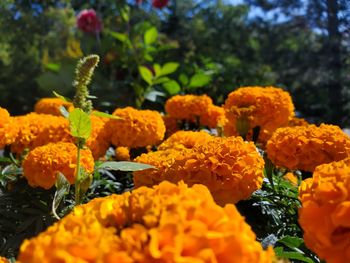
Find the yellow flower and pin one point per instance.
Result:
(187, 139)
(231, 168)
(325, 212)
(52, 106)
(42, 165)
(136, 128)
(166, 223)
(269, 108)
(187, 107)
(8, 128)
(4, 260)
(305, 147)
(122, 154)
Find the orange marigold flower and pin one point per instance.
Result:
(122, 153)
(325, 212)
(4, 260)
(295, 121)
(231, 168)
(212, 116)
(136, 128)
(171, 125)
(42, 164)
(52, 106)
(269, 108)
(185, 139)
(187, 107)
(98, 141)
(305, 147)
(33, 124)
(166, 223)
(8, 128)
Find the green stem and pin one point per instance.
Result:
(77, 179)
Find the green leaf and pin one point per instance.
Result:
(161, 80)
(120, 36)
(146, 74)
(105, 115)
(292, 255)
(125, 166)
(64, 111)
(183, 79)
(125, 13)
(61, 97)
(62, 188)
(53, 67)
(169, 68)
(172, 87)
(199, 80)
(80, 124)
(151, 36)
(157, 69)
(291, 242)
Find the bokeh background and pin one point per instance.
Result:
(210, 46)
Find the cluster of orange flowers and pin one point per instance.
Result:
(305, 147)
(136, 128)
(42, 165)
(231, 168)
(166, 223)
(52, 106)
(269, 108)
(325, 211)
(8, 128)
(191, 107)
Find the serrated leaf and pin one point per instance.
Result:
(199, 80)
(172, 87)
(169, 68)
(80, 124)
(125, 166)
(151, 36)
(106, 115)
(146, 74)
(61, 97)
(62, 188)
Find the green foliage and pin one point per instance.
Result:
(125, 166)
(80, 124)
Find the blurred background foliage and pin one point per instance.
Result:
(188, 46)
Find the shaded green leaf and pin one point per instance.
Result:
(125, 166)
(292, 255)
(169, 68)
(151, 36)
(199, 80)
(62, 188)
(53, 67)
(161, 80)
(80, 124)
(61, 97)
(172, 87)
(183, 79)
(146, 74)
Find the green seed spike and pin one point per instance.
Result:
(83, 73)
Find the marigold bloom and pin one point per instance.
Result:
(136, 128)
(122, 153)
(269, 108)
(8, 128)
(231, 168)
(89, 22)
(166, 223)
(295, 121)
(212, 116)
(42, 165)
(185, 139)
(52, 106)
(50, 128)
(305, 147)
(187, 107)
(98, 141)
(4, 260)
(325, 212)
(171, 125)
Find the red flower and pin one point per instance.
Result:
(87, 21)
(159, 3)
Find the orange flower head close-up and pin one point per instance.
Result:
(8, 128)
(52, 106)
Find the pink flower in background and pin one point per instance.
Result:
(159, 3)
(88, 22)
